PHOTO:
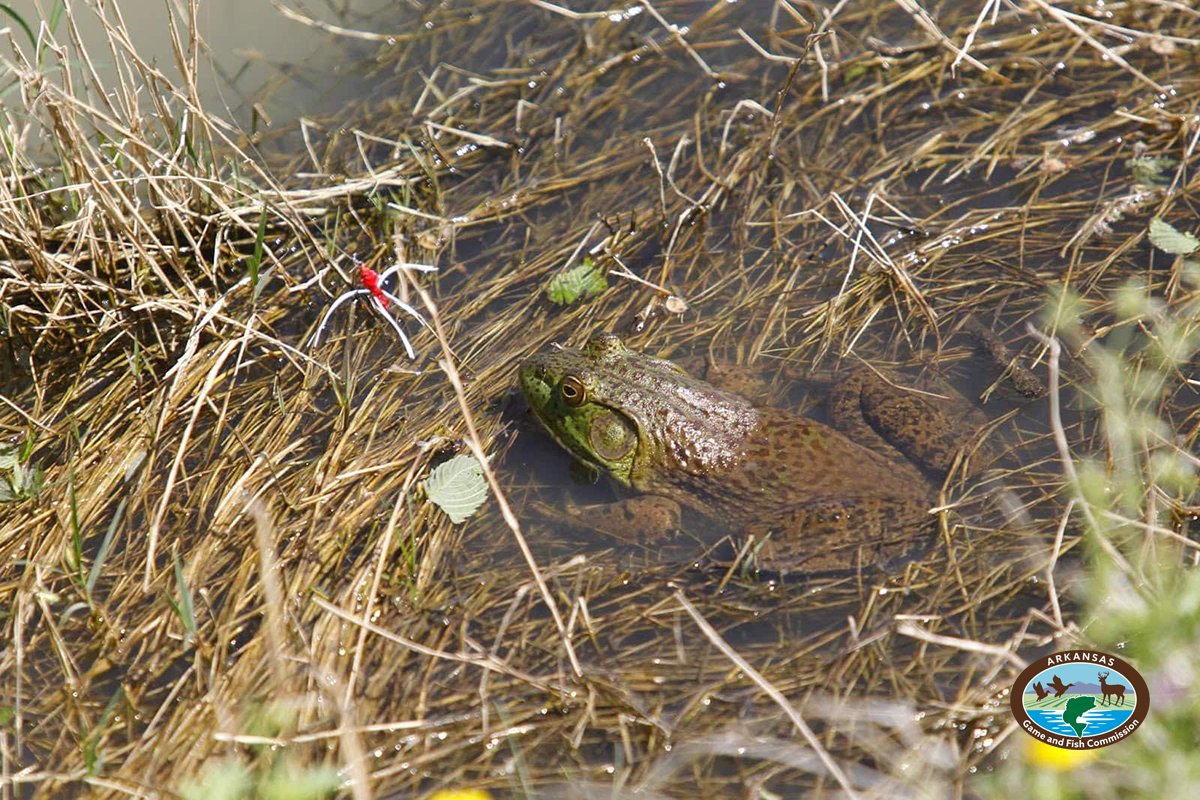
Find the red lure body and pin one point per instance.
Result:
(370, 281)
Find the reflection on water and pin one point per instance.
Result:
(248, 53)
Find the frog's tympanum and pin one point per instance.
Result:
(818, 498)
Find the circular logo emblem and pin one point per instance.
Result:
(1080, 699)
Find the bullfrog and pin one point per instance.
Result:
(816, 497)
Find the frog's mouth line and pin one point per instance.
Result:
(569, 446)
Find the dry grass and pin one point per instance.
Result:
(228, 529)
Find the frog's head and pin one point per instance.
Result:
(627, 413)
(573, 394)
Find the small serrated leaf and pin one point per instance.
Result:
(581, 283)
(1167, 238)
(457, 487)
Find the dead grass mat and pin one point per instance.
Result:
(191, 443)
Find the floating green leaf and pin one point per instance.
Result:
(1148, 170)
(1167, 238)
(581, 283)
(457, 487)
(854, 71)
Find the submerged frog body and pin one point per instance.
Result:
(818, 499)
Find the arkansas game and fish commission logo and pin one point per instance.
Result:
(1080, 699)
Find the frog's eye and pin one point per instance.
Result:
(572, 391)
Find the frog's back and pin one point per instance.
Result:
(825, 501)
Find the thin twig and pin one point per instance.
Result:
(678, 36)
(475, 445)
(1107, 52)
(922, 18)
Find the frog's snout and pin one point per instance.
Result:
(532, 369)
(534, 383)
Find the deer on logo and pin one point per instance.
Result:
(1117, 690)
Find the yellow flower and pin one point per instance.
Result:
(1040, 754)
(461, 794)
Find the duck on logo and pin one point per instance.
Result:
(1080, 699)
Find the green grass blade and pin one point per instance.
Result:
(17, 18)
(184, 607)
(102, 553)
